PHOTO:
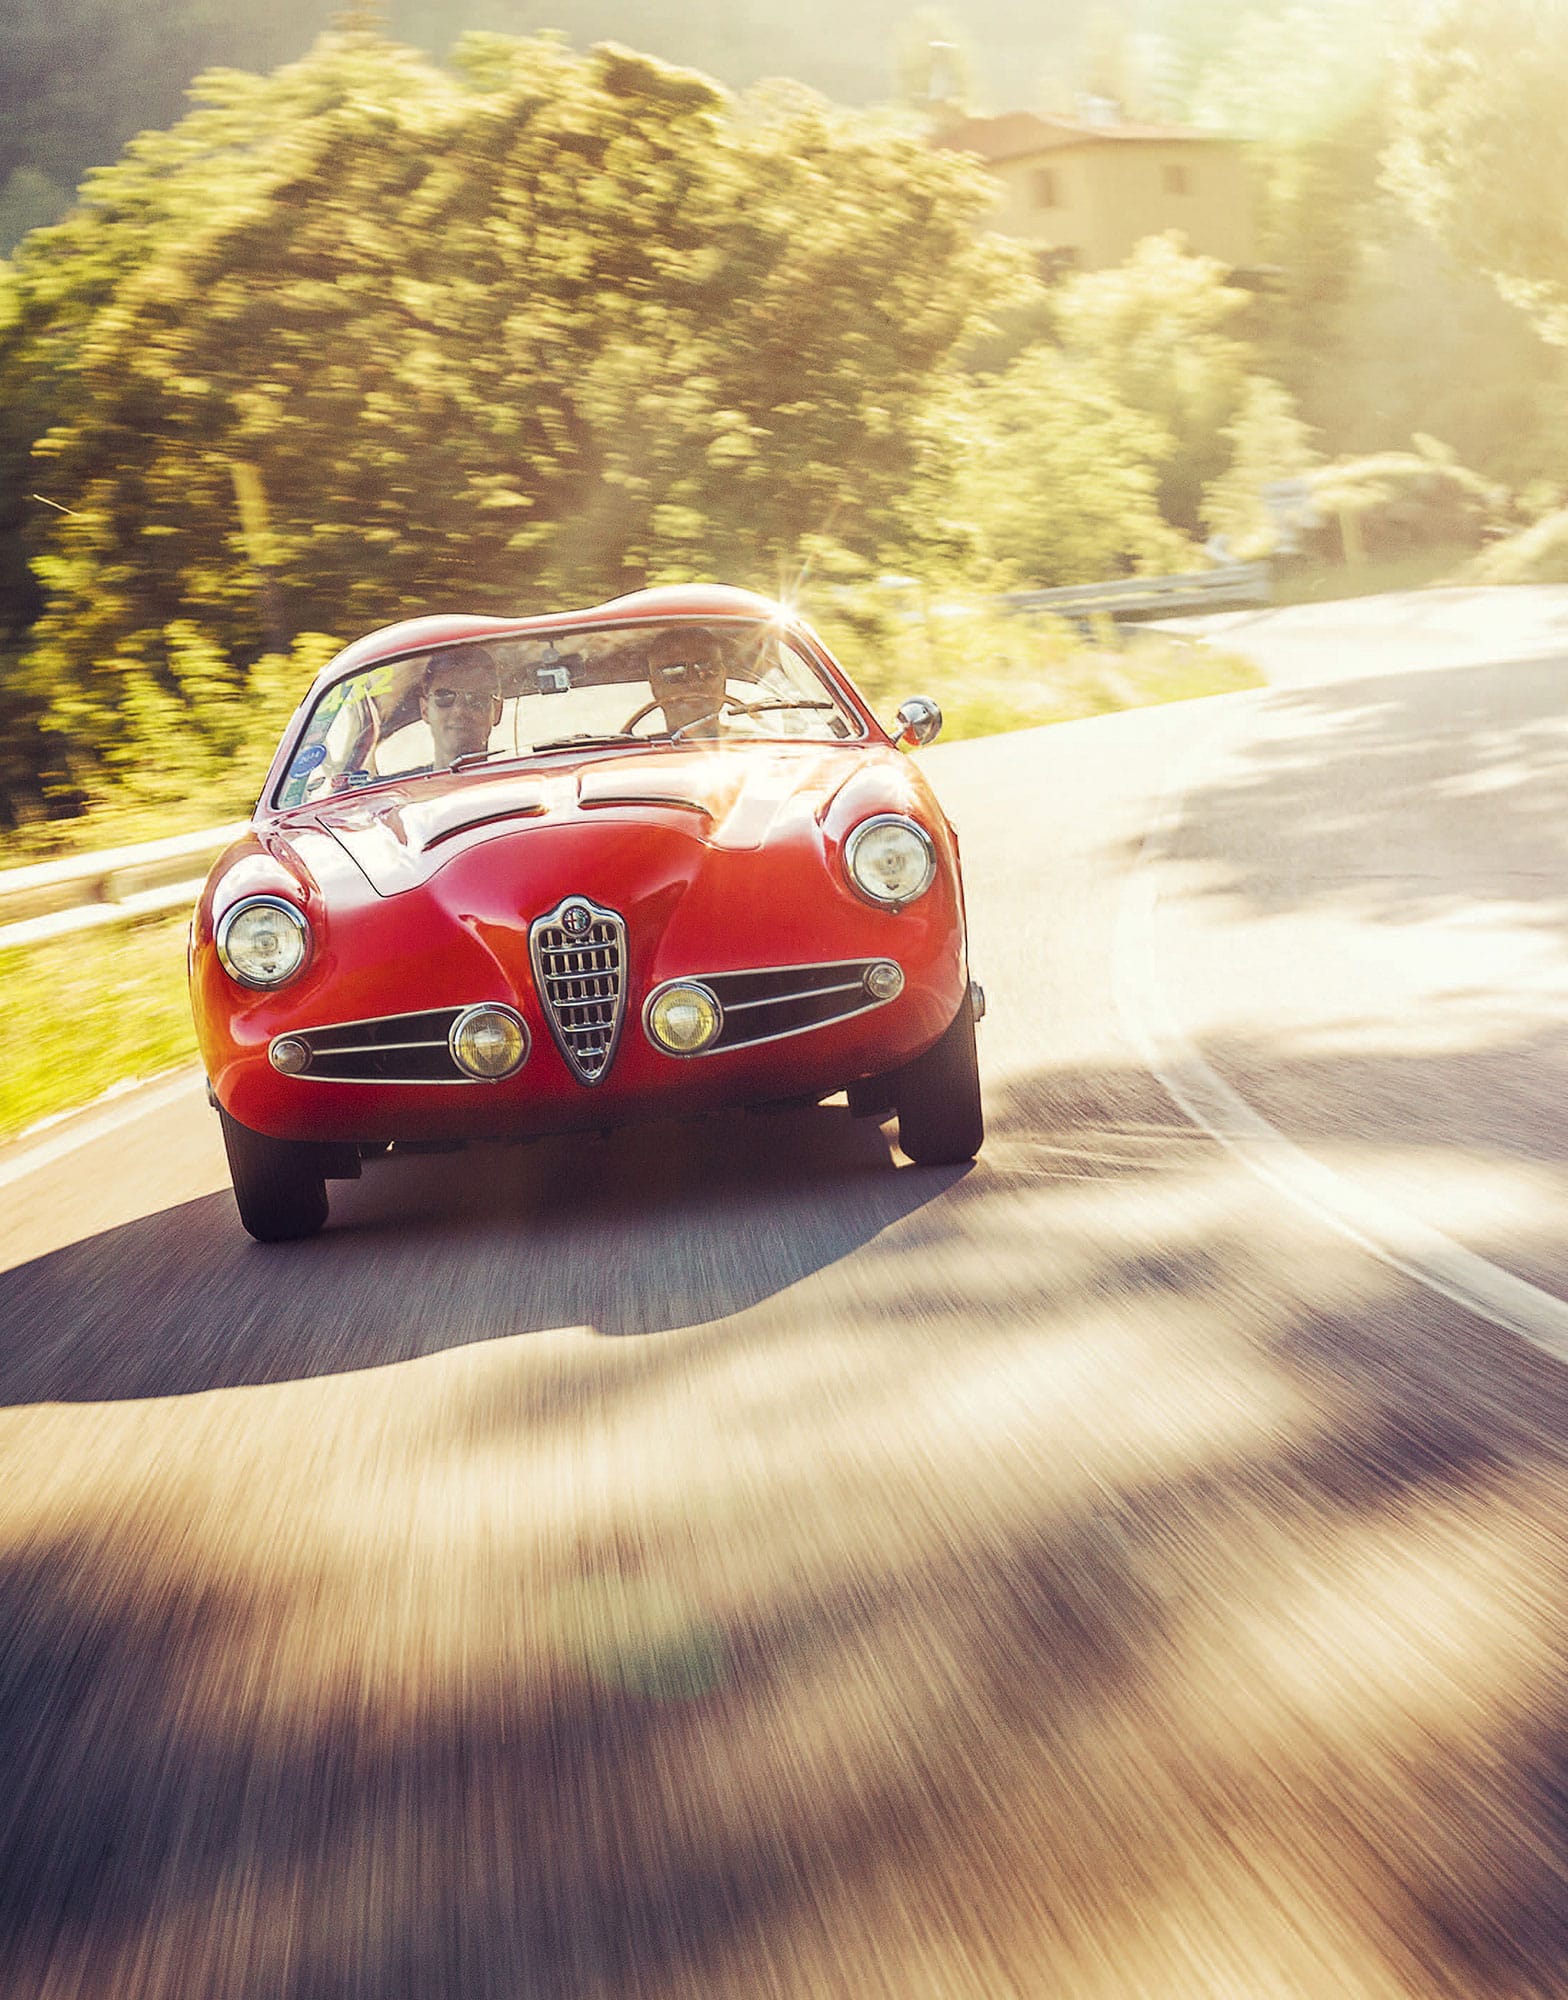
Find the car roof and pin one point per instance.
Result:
(676, 600)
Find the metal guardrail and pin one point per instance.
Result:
(1140, 597)
(51, 899)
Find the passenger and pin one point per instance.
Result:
(460, 699)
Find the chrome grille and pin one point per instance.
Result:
(579, 960)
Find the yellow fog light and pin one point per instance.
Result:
(683, 1019)
(488, 1042)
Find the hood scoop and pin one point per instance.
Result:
(392, 841)
(427, 822)
(739, 791)
(708, 785)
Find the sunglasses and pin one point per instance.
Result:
(473, 699)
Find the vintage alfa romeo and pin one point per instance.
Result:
(511, 877)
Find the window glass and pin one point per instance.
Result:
(489, 700)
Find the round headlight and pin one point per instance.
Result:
(890, 860)
(488, 1042)
(263, 941)
(684, 1018)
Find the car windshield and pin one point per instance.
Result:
(462, 705)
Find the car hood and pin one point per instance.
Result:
(723, 796)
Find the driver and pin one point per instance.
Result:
(460, 699)
(686, 673)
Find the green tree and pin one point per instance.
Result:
(1268, 442)
(1058, 477)
(1481, 149)
(1155, 332)
(537, 331)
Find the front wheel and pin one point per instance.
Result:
(941, 1122)
(279, 1188)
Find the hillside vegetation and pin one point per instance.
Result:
(370, 333)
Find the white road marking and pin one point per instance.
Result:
(136, 1104)
(1380, 1227)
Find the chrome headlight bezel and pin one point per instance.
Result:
(663, 992)
(465, 1020)
(223, 937)
(855, 844)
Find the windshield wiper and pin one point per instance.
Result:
(588, 739)
(761, 707)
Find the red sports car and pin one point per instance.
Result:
(519, 876)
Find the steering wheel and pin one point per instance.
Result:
(650, 707)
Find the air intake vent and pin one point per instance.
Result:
(579, 960)
(767, 1005)
(396, 1048)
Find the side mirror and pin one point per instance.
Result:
(919, 721)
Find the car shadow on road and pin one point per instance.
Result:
(640, 1232)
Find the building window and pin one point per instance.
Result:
(1043, 190)
(1177, 180)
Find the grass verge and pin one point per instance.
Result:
(81, 1013)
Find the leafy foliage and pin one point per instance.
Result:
(1481, 153)
(1269, 443)
(1060, 477)
(1536, 554)
(1406, 500)
(1155, 332)
(512, 336)
(369, 335)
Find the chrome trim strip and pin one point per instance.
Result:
(784, 1034)
(375, 1020)
(707, 981)
(778, 999)
(453, 1012)
(390, 1082)
(363, 1048)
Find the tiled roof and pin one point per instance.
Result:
(1015, 134)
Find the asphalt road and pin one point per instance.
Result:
(725, 1560)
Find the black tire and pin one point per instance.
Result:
(279, 1187)
(941, 1121)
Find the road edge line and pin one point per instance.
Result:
(32, 1157)
(1378, 1226)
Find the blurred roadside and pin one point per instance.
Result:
(1403, 631)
